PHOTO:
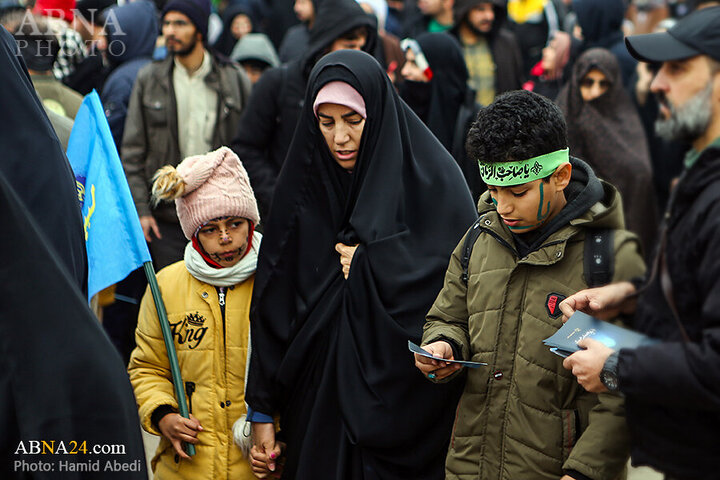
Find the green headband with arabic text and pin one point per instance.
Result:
(508, 174)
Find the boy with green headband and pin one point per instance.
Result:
(523, 415)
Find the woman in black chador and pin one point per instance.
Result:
(366, 213)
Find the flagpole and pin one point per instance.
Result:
(169, 346)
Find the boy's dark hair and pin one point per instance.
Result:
(518, 125)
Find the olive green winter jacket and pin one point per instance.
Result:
(524, 416)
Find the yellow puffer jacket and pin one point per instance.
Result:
(212, 360)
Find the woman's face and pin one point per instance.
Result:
(410, 70)
(240, 26)
(342, 128)
(593, 85)
(225, 239)
(549, 55)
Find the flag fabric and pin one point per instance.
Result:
(113, 235)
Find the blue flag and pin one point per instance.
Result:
(113, 235)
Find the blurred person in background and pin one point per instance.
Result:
(491, 52)
(601, 24)
(239, 19)
(388, 51)
(435, 87)
(429, 16)
(60, 15)
(296, 40)
(549, 75)
(39, 49)
(534, 25)
(256, 54)
(604, 129)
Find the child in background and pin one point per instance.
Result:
(523, 415)
(207, 297)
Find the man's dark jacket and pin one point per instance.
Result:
(268, 122)
(673, 389)
(503, 45)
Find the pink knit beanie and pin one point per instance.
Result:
(342, 94)
(216, 185)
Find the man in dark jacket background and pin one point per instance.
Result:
(187, 104)
(491, 51)
(268, 123)
(672, 389)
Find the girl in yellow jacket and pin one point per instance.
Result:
(207, 297)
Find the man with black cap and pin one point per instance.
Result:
(672, 388)
(187, 104)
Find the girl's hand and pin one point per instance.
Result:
(265, 451)
(178, 429)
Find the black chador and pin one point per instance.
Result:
(329, 355)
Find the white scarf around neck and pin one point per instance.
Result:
(223, 277)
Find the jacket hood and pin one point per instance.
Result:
(255, 46)
(333, 18)
(591, 202)
(462, 7)
(132, 30)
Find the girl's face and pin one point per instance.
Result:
(225, 239)
(593, 85)
(342, 128)
(240, 26)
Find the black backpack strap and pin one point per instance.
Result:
(468, 245)
(599, 257)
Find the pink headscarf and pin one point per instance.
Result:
(340, 93)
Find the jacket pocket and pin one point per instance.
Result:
(155, 112)
(570, 428)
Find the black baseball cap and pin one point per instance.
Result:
(696, 34)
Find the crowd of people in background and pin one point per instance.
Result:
(345, 135)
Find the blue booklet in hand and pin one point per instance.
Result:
(581, 325)
(421, 351)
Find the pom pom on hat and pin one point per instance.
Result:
(216, 185)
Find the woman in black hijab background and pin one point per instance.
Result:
(607, 133)
(444, 102)
(329, 354)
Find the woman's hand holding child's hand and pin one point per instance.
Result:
(178, 429)
(265, 451)
(437, 368)
(346, 255)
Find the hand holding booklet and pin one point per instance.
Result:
(421, 351)
(581, 325)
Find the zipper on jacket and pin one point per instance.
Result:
(189, 390)
(501, 240)
(222, 292)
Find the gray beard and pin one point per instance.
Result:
(689, 121)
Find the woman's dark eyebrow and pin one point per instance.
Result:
(349, 114)
(323, 115)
